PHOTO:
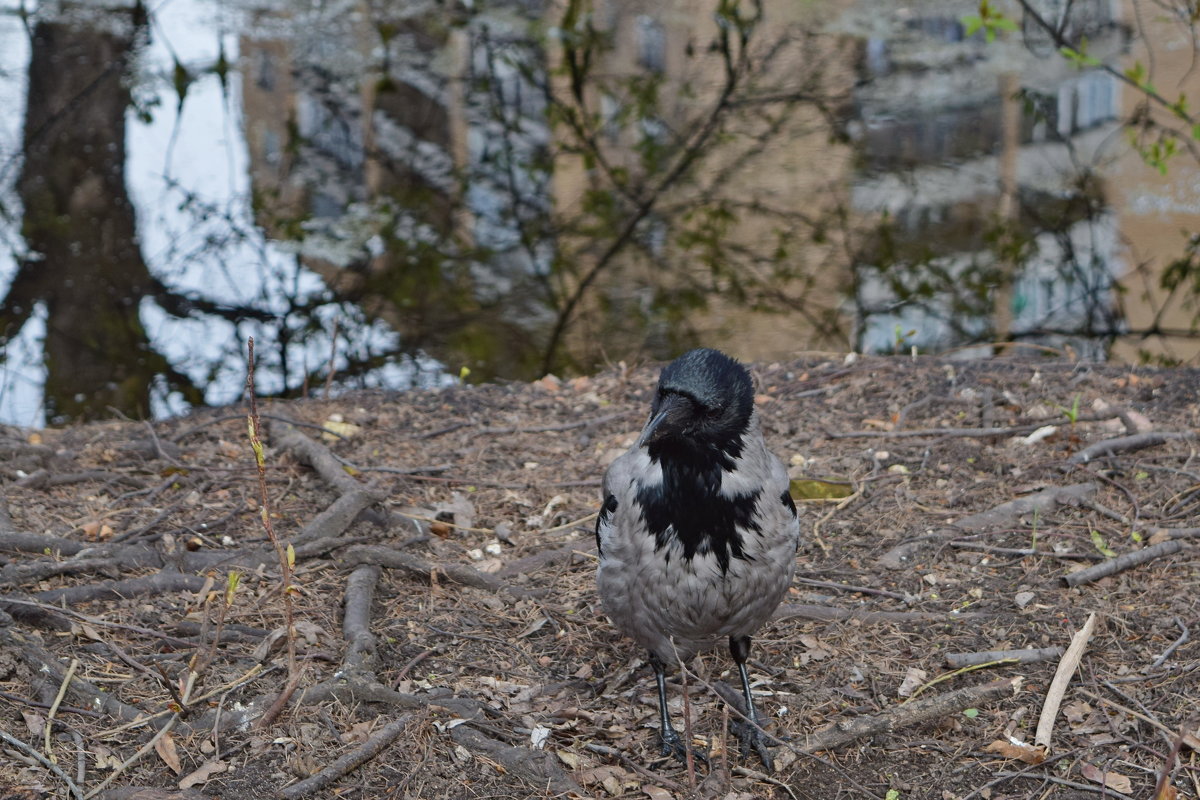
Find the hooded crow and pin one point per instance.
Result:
(697, 534)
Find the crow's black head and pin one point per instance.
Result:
(703, 404)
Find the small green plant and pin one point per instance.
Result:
(1072, 413)
(1101, 545)
(988, 20)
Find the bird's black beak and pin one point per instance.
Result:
(670, 418)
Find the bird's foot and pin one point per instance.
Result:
(752, 737)
(672, 744)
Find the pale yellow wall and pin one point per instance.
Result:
(1156, 212)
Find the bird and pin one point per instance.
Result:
(697, 532)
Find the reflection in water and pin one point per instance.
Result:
(84, 265)
(980, 161)
(355, 183)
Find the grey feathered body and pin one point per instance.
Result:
(679, 586)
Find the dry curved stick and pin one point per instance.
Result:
(1122, 562)
(1127, 444)
(1005, 514)
(1058, 685)
(146, 748)
(349, 761)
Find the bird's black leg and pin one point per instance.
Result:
(749, 733)
(672, 742)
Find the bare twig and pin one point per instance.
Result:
(347, 762)
(827, 614)
(1183, 637)
(58, 698)
(124, 765)
(845, 731)
(285, 556)
(970, 433)
(1122, 562)
(956, 660)
(72, 787)
(1128, 444)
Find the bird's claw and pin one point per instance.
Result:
(752, 737)
(672, 744)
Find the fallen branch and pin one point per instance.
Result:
(1122, 562)
(45, 762)
(158, 583)
(1128, 444)
(845, 731)
(971, 433)
(338, 517)
(536, 767)
(827, 614)
(347, 762)
(1025, 551)
(957, 660)
(142, 751)
(1164, 534)
(1062, 678)
(562, 426)
(1007, 514)
(318, 456)
(356, 619)
(42, 663)
(459, 573)
(548, 558)
(19, 542)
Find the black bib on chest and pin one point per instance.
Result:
(688, 505)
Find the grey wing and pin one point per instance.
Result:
(619, 493)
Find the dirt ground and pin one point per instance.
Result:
(449, 642)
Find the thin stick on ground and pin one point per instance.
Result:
(1123, 562)
(286, 556)
(1127, 444)
(1025, 656)
(1062, 677)
(348, 762)
(124, 765)
(58, 698)
(72, 787)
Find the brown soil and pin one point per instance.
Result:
(523, 652)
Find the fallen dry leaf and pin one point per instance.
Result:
(1113, 780)
(1018, 750)
(165, 747)
(656, 793)
(358, 732)
(912, 679)
(202, 774)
